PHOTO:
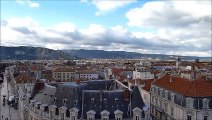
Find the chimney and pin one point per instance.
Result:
(144, 83)
(136, 82)
(77, 81)
(170, 79)
(126, 94)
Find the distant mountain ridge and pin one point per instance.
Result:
(102, 54)
(30, 53)
(35, 53)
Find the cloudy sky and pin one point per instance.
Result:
(165, 27)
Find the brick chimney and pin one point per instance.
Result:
(77, 81)
(126, 93)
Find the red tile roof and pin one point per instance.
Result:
(195, 88)
(24, 78)
(147, 83)
(63, 69)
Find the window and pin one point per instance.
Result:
(155, 90)
(205, 118)
(161, 92)
(104, 118)
(136, 117)
(172, 111)
(166, 94)
(153, 99)
(156, 101)
(51, 114)
(172, 97)
(188, 117)
(189, 102)
(165, 107)
(64, 101)
(118, 118)
(205, 103)
(73, 117)
(160, 104)
(90, 118)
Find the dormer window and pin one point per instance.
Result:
(189, 102)
(161, 92)
(172, 97)
(55, 99)
(92, 100)
(105, 100)
(166, 94)
(64, 101)
(205, 102)
(155, 90)
(75, 102)
(116, 100)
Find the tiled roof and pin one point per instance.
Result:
(63, 69)
(24, 78)
(195, 88)
(147, 83)
(117, 70)
(87, 72)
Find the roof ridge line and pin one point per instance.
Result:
(195, 91)
(188, 87)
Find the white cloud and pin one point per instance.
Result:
(26, 31)
(105, 6)
(169, 13)
(29, 3)
(93, 29)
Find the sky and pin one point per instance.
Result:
(173, 27)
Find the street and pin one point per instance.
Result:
(7, 112)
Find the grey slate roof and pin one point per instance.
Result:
(93, 95)
(105, 100)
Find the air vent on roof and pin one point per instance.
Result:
(45, 94)
(116, 100)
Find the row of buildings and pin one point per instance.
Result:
(158, 90)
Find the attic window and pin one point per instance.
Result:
(189, 102)
(166, 94)
(64, 101)
(172, 97)
(55, 99)
(92, 99)
(205, 102)
(75, 102)
(105, 100)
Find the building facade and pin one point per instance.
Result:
(175, 98)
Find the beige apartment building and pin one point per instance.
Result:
(63, 74)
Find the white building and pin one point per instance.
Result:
(86, 75)
(142, 74)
